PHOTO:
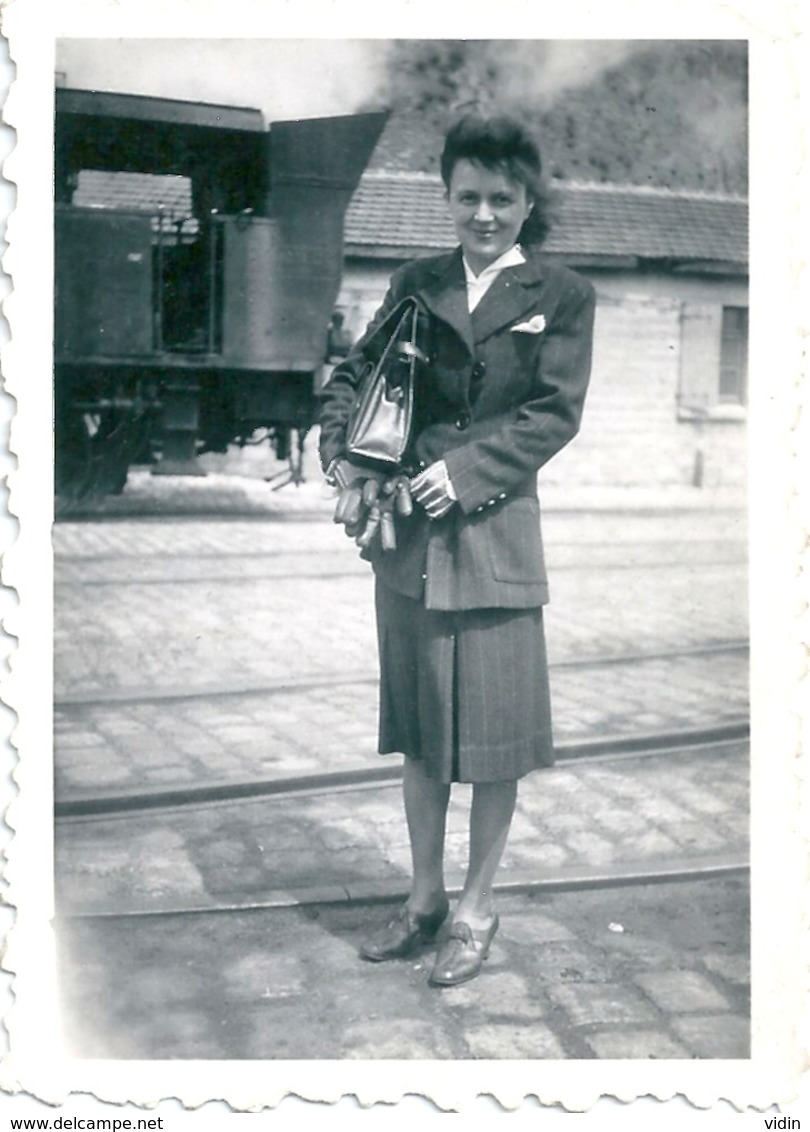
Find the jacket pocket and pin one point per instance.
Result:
(515, 542)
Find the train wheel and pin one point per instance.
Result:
(93, 453)
(73, 459)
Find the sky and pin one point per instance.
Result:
(296, 77)
(283, 78)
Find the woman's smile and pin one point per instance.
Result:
(488, 211)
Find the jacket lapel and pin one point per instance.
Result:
(512, 295)
(445, 295)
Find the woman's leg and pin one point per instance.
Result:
(426, 811)
(493, 805)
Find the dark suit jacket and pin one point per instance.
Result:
(495, 404)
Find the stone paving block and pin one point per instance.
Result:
(160, 987)
(99, 775)
(204, 745)
(591, 848)
(114, 727)
(170, 775)
(396, 1037)
(496, 995)
(617, 820)
(708, 803)
(529, 857)
(595, 1004)
(650, 843)
(189, 1030)
(81, 739)
(229, 883)
(715, 1035)
(561, 961)
(661, 810)
(681, 992)
(141, 752)
(637, 951)
(535, 1041)
(563, 824)
(738, 825)
(531, 928)
(635, 1044)
(629, 787)
(699, 836)
(734, 968)
(263, 975)
(282, 1028)
(86, 758)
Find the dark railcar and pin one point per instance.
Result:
(182, 328)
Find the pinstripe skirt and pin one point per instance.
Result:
(464, 693)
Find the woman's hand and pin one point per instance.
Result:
(433, 488)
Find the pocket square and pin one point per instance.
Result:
(535, 325)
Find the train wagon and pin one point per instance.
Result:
(195, 316)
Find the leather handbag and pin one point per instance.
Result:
(381, 422)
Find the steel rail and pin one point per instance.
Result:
(559, 547)
(135, 694)
(94, 806)
(675, 869)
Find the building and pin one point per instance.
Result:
(668, 397)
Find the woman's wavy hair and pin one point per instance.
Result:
(502, 143)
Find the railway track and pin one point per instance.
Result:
(210, 809)
(268, 687)
(571, 880)
(226, 803)
(162, 798)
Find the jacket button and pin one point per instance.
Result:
(479, 369)
(463, 421)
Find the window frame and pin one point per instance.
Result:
(705, 349)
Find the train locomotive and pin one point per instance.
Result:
(182, 329)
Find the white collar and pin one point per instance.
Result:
(510, 258)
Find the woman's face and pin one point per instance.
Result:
(488, 210)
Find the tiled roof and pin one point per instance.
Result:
(407, 211)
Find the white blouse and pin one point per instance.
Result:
(478, 285)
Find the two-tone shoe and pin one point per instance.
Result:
(405, 934)
(462, 954)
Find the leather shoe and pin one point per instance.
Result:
(405, 934)
(462, 955)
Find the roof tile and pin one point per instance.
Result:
(407, 211)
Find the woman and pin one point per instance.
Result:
(464, 681)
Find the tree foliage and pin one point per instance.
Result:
(669, 113)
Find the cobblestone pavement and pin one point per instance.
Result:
(277, 609)
(270, 604)
(561, 982)
(120, 748)
(578, 818)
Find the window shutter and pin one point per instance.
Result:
(701, 325)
